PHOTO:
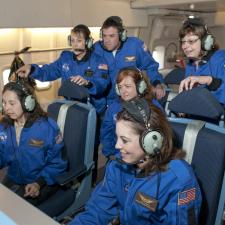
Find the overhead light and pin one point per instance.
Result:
(192, 6)
(191, 16)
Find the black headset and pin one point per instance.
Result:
(151, 141)
(118, 23)
(141, 85)
(208, 41)
(28, 102)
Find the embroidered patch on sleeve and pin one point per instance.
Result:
(186, 196)
(3, 137)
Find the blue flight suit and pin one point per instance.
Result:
(38, 154)
(92, 67)
(132, 196)
(108, 127)
(213, 65)
(132, 52)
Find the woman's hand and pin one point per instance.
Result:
(192, 81)
(79, 80)
(32, 190)
(24, 71)
(159, 91)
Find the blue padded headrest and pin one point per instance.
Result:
(198, 102)
(175, 76)
(72, 91)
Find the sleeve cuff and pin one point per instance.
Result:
(215, 84)
(156, 82)
(41, 181)
(32, 69)
(89, 85)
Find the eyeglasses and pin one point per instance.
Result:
(190, 42)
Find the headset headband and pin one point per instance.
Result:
(139, 109)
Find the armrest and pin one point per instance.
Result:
(69, 176)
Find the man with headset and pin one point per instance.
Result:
(121, 51)
(81, 65)
(206, 64)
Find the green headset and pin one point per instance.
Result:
(28, 102)
(208, 40)
(85, 30)
(141, 85)
(115, 21)
(151, 141)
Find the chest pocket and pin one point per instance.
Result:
(88, 73)
(36, 143)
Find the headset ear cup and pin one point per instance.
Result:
(141, 87)
(208, 42)
(89, 43)
(123, 35)
(28, 103)
(151, 141)
(100, 34)
(117, 89)
(69, 40)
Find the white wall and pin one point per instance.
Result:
(66, 13)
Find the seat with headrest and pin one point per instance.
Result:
(204, 144)
(172, 80)
(77, 122)
(198, 103)
(175, 76)
(72, 91)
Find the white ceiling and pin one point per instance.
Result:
(204, 6)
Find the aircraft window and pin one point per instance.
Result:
(95, 33)
(40, 85)
(5, 76)
(159, 54)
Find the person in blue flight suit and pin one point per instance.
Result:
(151, 184)
(30, 145)
(130, 83)
(206, 63)
(121, 51)
(81, 65)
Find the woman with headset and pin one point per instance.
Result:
(30, 145)
(81, 65)
(151, 184)
(206, 64)
(130, 83)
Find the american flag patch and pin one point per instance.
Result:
(102, 67)
(186, 196)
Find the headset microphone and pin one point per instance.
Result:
(131, 164)
(80, 50)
